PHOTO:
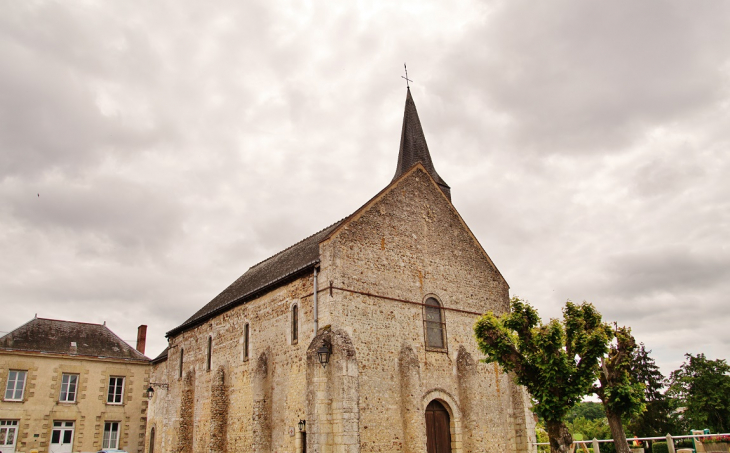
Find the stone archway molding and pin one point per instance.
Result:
(449, 402)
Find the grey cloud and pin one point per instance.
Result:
(127, 215)
(585, 145)
(666, 270)
(587, 77)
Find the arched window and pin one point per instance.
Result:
(294, 324)
(152, 440)
(210, 352)
(245, 342)
(179, 374)
(433, 325)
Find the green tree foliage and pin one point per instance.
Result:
(588, 410)
(557, 362)
(657, 418)
(621, 394)
(596, 428)
(702, 386)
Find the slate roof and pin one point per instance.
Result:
(56, 337)
(282, 267)
(162, 357)
(413, 147)
(304, 255)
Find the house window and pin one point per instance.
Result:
(111, 435)
(8, 434)
(210, 352)
(16, 384)
(179, 373)
(434, 325)
(116, 390)
(69, 383)
(245, 342)
(294, 324)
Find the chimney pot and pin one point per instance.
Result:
(141, 338)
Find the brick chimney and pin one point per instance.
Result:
(141, 338)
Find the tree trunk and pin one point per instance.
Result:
(560, 438)
(617, 432)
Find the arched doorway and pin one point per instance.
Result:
(438, 428)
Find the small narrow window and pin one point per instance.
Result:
(245, 342)
(111, 435)
(294, 324)
(15, 386)
(210, 352)
(69, 384)
(152, 440)
(433, 324)
(179, 373)
(116, 390)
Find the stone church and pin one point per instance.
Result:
(356, 339)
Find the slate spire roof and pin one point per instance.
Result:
(413, 147)
(53, 336)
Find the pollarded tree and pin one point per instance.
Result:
(619, 391)
(557, 362)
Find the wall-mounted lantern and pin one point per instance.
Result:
(151, 390)
(324, 354)
(302, 424)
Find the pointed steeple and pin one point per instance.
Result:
(413, 147)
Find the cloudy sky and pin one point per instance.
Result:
(150, 152)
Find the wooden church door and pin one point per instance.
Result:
(438, 428)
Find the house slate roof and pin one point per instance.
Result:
(304, 255)
(413, 147)
(53, 336)
(162, 357)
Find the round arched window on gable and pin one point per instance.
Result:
(434, 325)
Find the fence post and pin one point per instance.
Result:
(670, 443)
(596, 449)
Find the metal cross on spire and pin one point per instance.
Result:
(406, 77)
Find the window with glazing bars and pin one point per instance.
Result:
(116, 390)
(8, 431)
(111, 435)
(15, 385)
(69, 383)
(433, 325)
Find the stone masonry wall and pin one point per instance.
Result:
(40, 406)
(410, 244)
(219, 413)
(264, 403)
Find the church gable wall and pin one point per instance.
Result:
(405, 246)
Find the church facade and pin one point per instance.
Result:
(356, 339)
